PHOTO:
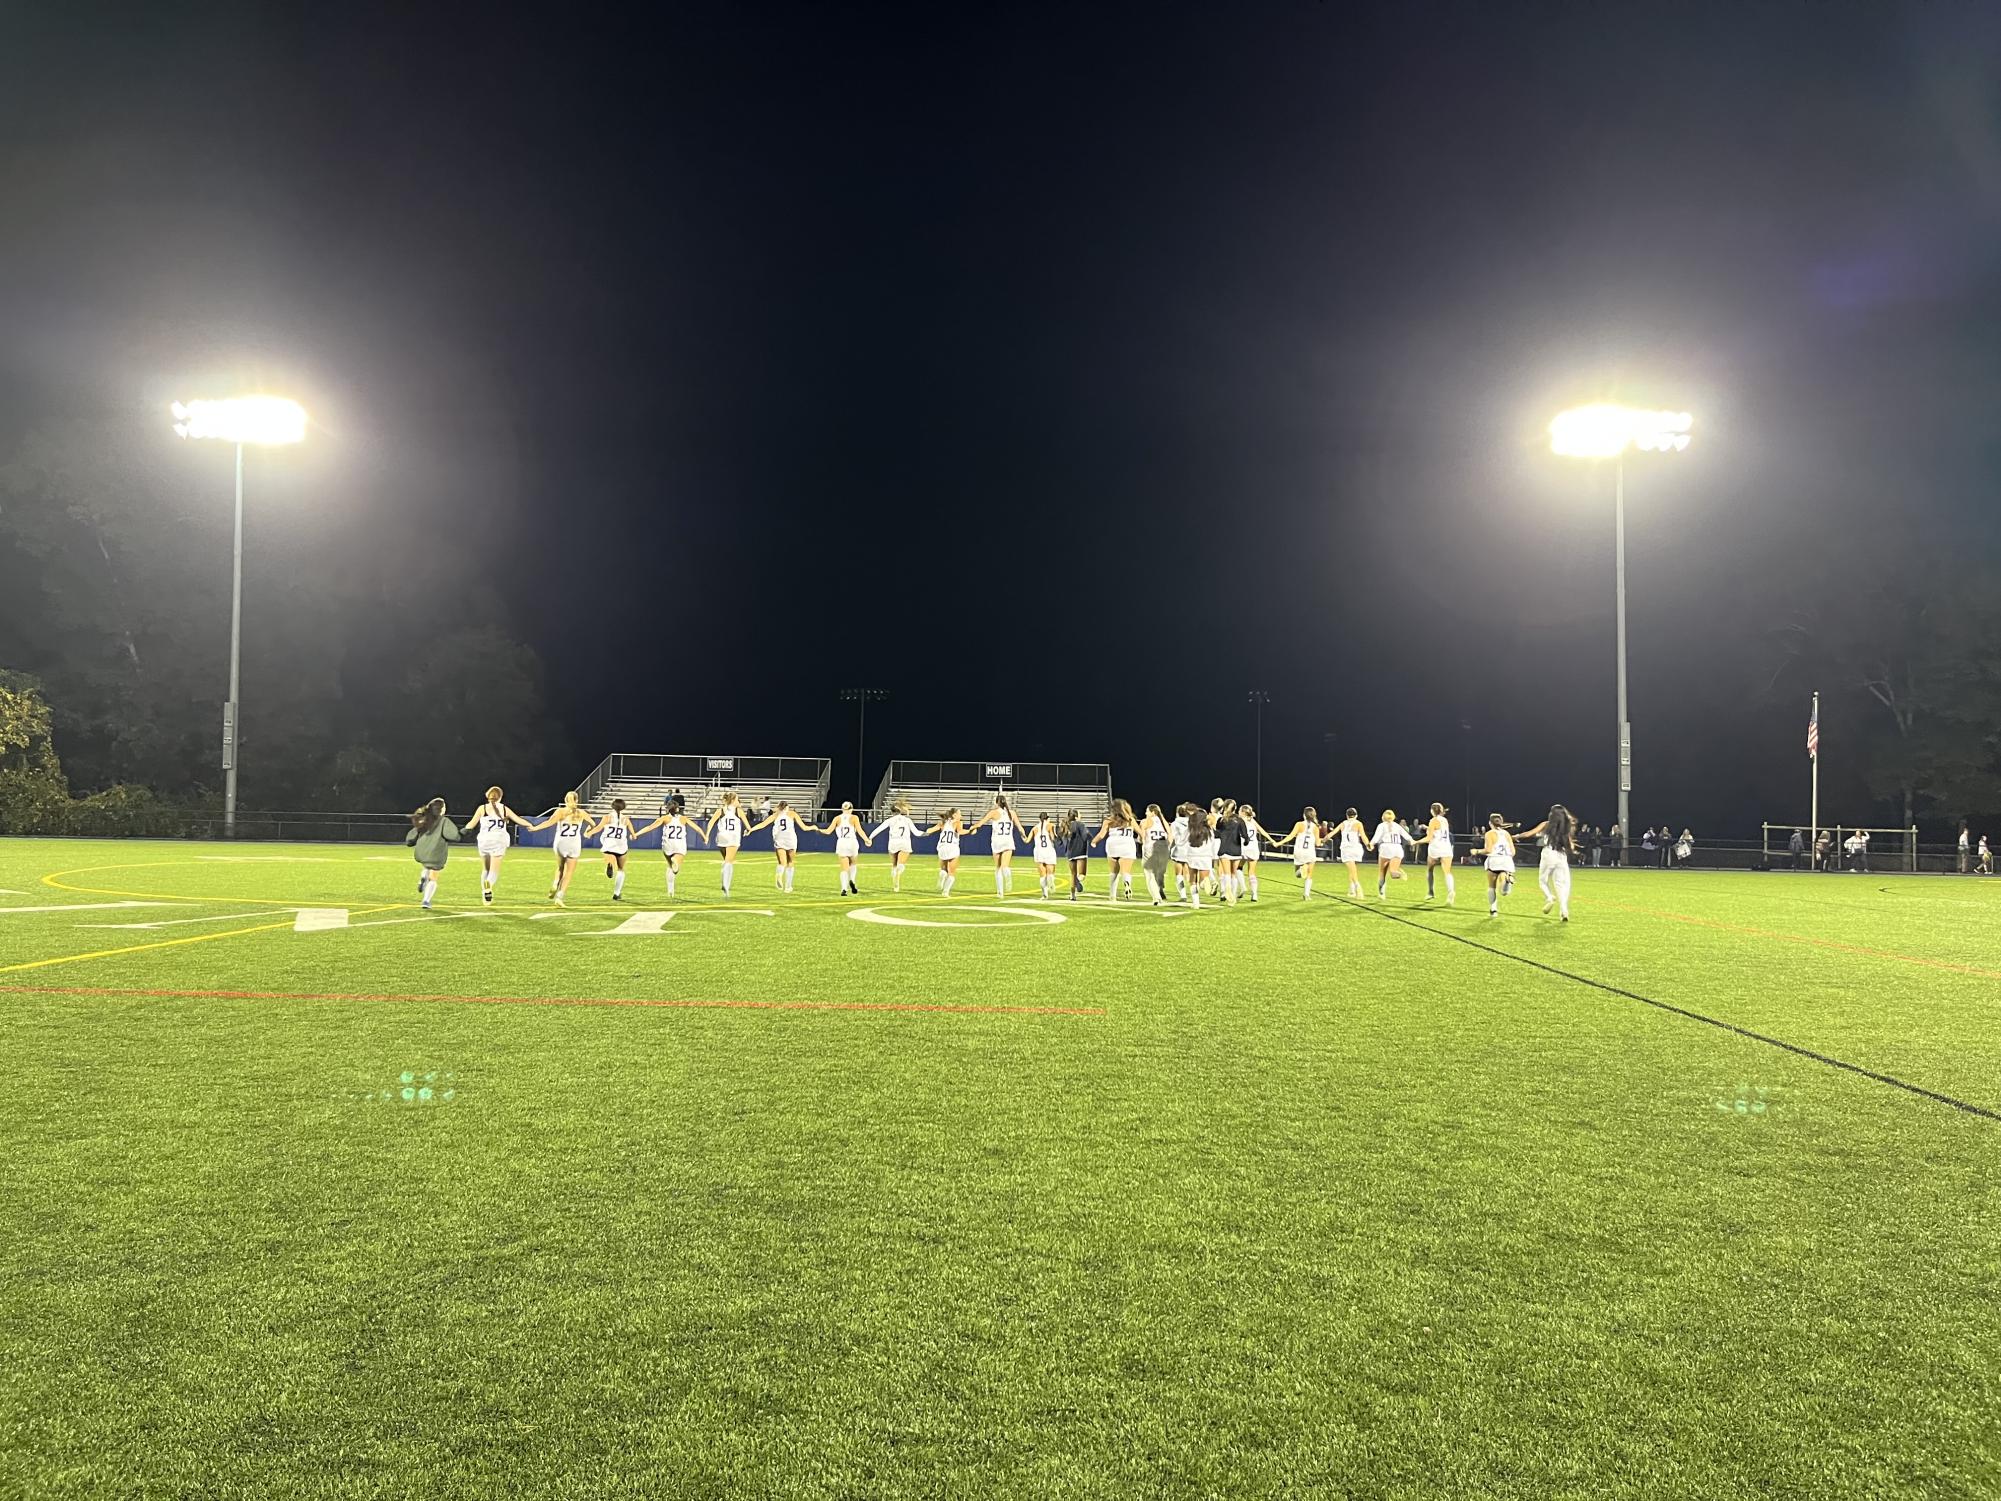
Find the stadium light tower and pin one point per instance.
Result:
(1606, 431)
(861, 698)
(264, 421)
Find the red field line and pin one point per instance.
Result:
(539, 1000)
(1835, 944)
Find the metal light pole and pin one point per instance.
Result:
(1605, 431)
(860, 697)
(239, 420)
(1260, 698)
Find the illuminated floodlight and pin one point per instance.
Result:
(242, 419)
(1604, 431)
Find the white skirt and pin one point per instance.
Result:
(948, 849)
(1045, 854)
(571, 847)
(1441, 849)
(1198, 858)
(612, 846)
(1351, 852)
(1003, 844)
(493, 844)
(1505, 864)
(1120, 846)
(847, 846)
(899, 844)
(1251, 850)
(785, 841)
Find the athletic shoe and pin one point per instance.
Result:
(616, 897)
(1547, 905)
(486, 895)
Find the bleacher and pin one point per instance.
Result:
(1033, 787)
(646, 781)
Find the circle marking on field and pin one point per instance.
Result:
(872, 914)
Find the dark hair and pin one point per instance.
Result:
(426, 817)
(1198, 826)
(618, 805)
(1562, 829)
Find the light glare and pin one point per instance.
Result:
(1604, 431)
(242, 419)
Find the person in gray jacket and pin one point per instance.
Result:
(431, 832)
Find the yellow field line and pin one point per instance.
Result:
(169, 943)
(54, 879)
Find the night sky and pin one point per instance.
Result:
(1071, 371)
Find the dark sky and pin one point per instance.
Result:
(1070, 371)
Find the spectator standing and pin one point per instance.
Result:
(1965, 846)
(1796, 847)
(1986, 865)
(1612, 838)
(1684, 847)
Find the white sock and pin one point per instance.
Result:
(1195, 895)
(896, 878)
(1451, 889)
(1254, 888)
(1153, 886)
(790, 872)
(1000, 881)
(430, 889)
(1307, 882)
(729, 870)
(949, 879)
(671, 873)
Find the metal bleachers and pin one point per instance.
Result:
(646, 781)
(1033, 787)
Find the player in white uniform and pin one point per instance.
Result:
(1178, 848)
(1559, 843)
(1043, 844)
(727, 826)
(674, 829)
(614, 835)
(491, 839)
(1256, 836)
(1388, 842)
(1199, 862)
(568, 821)
(1156, 852)
(1351, 842)
(1001, 816)
(784, 826)
(1500, 852)
(902, 835)
(1121, 841)
(1438, 854)
(1304, 837)
(849, 837)
(1213, 883)
(948, 826)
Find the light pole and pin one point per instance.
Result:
(264, 421)
(1605, 431)
(861, 698)
(1260, 698)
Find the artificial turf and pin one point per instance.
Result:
(1293, 1199)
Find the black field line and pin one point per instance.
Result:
(1695, 1016)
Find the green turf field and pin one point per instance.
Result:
(1292, 1200)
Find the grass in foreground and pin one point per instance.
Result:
(1284, 1200)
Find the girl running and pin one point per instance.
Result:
(1121, 843)
(1159, 840)
(1199, 861)
(1352, 841)
(1256, 837)
(948, 828)
(1388, 841)
(491, 839)
(1043, 845)
(902, 833)
(784, 826)
(1210, 886)
(1304, 837)
(1500, 851)
(568, 821)
(1178, 833)
(1437, 854)
(1229, 846)
(1077, 849)
(1559, 843)
(1001, 816)
(430, 835)
(674, 830)
(727, 825)
(614, 833)
(849, 837)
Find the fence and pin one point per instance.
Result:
(1898, 849)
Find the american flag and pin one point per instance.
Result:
(1813, 733)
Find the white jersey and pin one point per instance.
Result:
(1441, 840)
(490, 829)
(570, 835)
(1119, 843)
(729, 830)
(784, 831)
(847, 835)
(674, 835)
(948, 843)
(1304, 851)
(901, 832)
(615, 837)
(1003, 835)
(1388, 839)
(1501, 856)
(1351, 842)
(1252, 849)
(1045, 845)
(1180, 837)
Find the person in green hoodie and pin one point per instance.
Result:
(430, 834)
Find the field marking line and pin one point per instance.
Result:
(54, 879)
(944, 1007)
(163, 943)
(166, 922)
(1954, 1101)
(80, 907)
(1747, 931)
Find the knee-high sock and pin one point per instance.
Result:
(1306, 885)
(1254, 888)
(949, 879)
(895, 876)
(1000, 881)
(671, 874)
(729, 872)
(1153, 886)
(430, 887)
(618, 882)
(1451, 891)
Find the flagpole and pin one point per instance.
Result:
(1815, 804)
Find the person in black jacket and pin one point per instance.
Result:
(1074, 836)
(1229, 849)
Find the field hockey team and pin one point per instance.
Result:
(1212, 851)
